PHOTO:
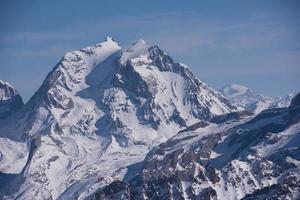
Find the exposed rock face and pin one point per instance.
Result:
(10, 100)
(248, 158)
(115, 190)
(99, 110)
(283, 190)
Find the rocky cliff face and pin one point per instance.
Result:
(240, 157)
(98, 111)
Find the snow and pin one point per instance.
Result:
(7, 91)
(240, 174)
(13, 156)
(214, 155)
(5, 83)
(288, 138)
(169, 90)
(185, 185)
(91, 130)
(244, 98)
(134, 50)
(293, 161)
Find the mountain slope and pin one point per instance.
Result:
(13, 155)
(239, 157)
(99, 110)
(246, 98)
(10, 100)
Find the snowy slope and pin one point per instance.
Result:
(13, 156)
(238, 157)
(245, 98)
(98, 111)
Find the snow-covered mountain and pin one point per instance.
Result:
(113, 123)
(245, 98)
(12, 154)
(100, 110)
(10, 100)
(234, 156)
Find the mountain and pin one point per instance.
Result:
(98, 112)
(245, 98)
(12, 154)
(234, 156)
(10, 100)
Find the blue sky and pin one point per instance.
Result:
(255, 43)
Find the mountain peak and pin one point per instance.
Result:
(134, 50)
(101, 112)
(245, 98)
(296, 100)
(4, 83)
(10, 100)
(108, 38)
(7, 91)
(140, 42)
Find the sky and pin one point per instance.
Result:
(255, 43)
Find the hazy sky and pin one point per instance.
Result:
(255, 43)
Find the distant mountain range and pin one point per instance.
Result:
(113, 123)
(245, 98)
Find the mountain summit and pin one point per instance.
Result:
(10, 100)
(98, 111)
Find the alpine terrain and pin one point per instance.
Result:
(245, 98)
(99, 110)
(233, 156)
(131, 123)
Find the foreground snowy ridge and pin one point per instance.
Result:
(234, 156)
(98, 112)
